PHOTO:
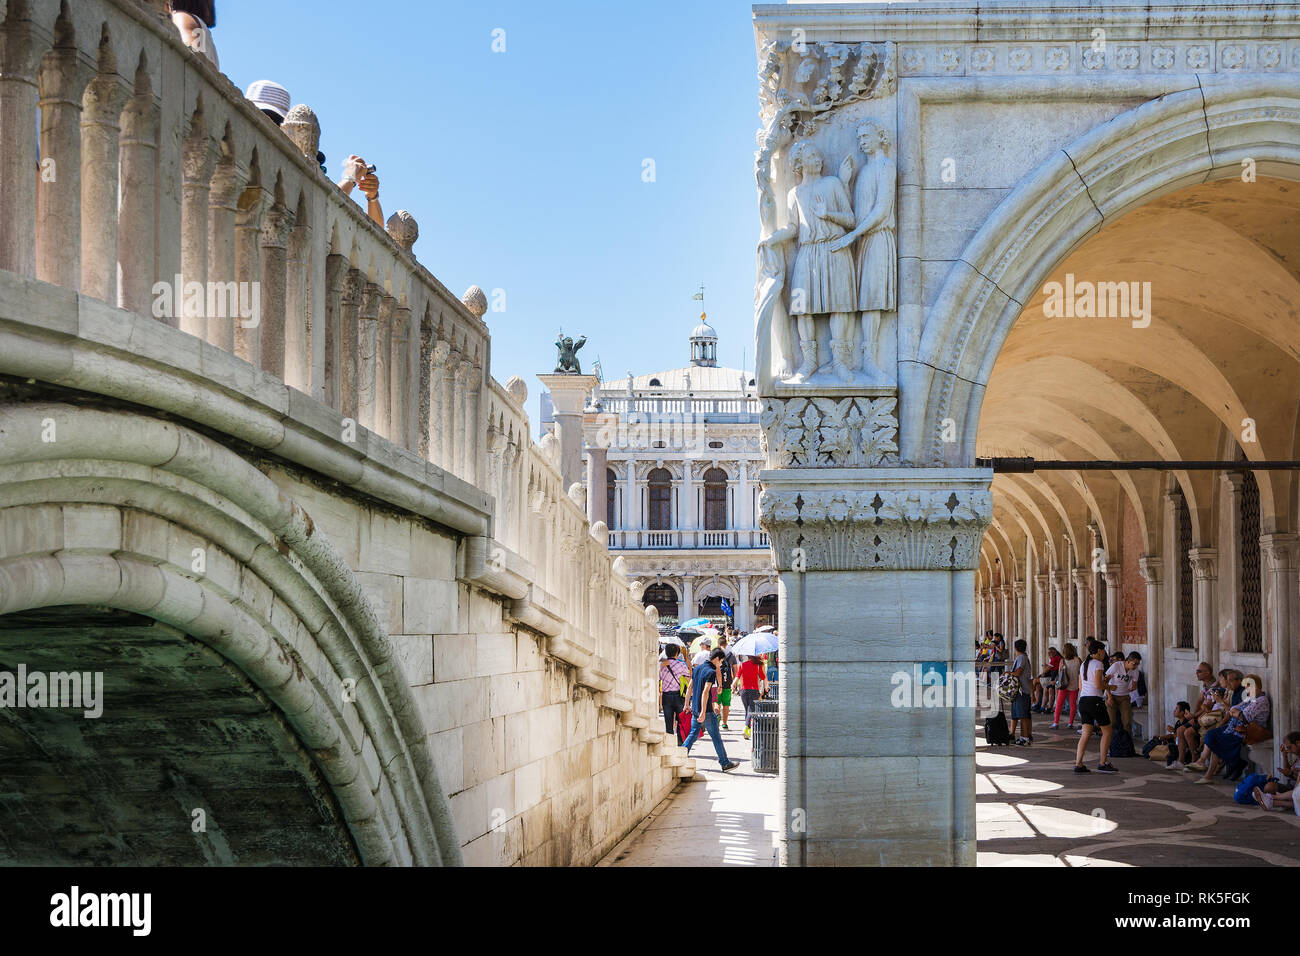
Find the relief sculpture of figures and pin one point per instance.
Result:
(822, 278)
(877, 260)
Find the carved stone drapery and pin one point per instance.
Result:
(862, 520)
(830, 433)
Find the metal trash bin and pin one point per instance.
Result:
(763, 736)
(764, 707)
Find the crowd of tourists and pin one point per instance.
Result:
(697, 695)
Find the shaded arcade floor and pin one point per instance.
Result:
(1033, 810)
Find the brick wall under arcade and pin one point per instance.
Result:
(1133, 602)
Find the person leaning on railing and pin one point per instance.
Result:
(194, 20)
(357, 173)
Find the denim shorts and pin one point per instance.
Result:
(1020, 706)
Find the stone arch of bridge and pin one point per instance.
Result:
(119, 511)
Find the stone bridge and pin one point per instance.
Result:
(344, 608)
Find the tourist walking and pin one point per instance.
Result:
(1092, 707)
(674, 676)
(704, 681)
(730, 664)
(1068, 687)
(1020, 704)
(752, 684)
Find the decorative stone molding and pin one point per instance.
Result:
(404, 229)
(1082, 578)
(1150, 566)
(859, 519)
(1281, 550)
(475, 301)
(830, 433)
(1111, 573)
(1121, 55)
(1019, 588)
(1205, 563)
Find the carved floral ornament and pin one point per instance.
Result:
(885, 529)
(830, 433)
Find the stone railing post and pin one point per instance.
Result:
(301, 325)
(198, 160)
(18, 165)
(399, 371)
(336, 270)
(223, 211)
(445, 423)
(367, 339)
(384, 369)
(136, 236)
(100, 119)
(353, 283)
(58, 194)
(248, 269)
(275, 236)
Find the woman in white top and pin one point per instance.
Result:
(1094, 685)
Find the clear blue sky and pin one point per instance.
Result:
(524, 168)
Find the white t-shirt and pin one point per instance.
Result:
(1122, 679)
(1087, 674)
(700, 658)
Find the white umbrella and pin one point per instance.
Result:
(766, 629)
(670, 639)
(751, 645)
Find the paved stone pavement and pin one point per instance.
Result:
(714, 818)
(1033, 810)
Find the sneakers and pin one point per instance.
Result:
(731, 766)
(1080, 768)
(1022, 742)
(1108, 768)
(1265, 800)
(746, 733)
(725, 727)
(1056, 726)
(1176, 765)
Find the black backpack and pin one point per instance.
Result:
(1121, 745)
(996, 731)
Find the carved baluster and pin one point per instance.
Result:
(18, 101)
(300, 325)
(336, 268)
(383, 368)
(248, 266)
(447, 412)
(352, 285)
(399, 370)
(424, 388)
(100, 117)
(463, 435)
(58, 195)
(198, 159)
(223, 210)
(367, 335)
(439, 410)
(136, 239)
(275, 235)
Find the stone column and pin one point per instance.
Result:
(745, 607)
(1043, 608)
(336, 268)
(399, 371)
(1153, 655)
(1061, 625)
(303, 326)
(690, 519)
(845, 539)
(1205, 572)
(223, 212)
(353, 282)
(688, 599)
(1081, 578)
(18, 169)
(597, 487)
(275, 236)
(1280, 554)
(631, 511)
(367, 348)
(102, 110)
(1111, 574)
(137, 239)
(464, 432)
(568, 396)
(248, 269)
(744, 514)
(197, 161)
(447, 436)
(58, 211)
(383, 369)
(1021, 628)
(1005, 612)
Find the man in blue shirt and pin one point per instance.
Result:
(704, 716)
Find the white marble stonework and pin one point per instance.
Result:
(948, 163)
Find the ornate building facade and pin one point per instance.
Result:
(674, 456)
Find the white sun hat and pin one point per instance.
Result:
(268, 95)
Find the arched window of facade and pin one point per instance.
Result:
(1185, 634)
(1251, 617)
(660, 486)
(610, 491)
(664, 598)
(715, 500)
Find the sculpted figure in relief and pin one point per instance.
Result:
(821, 281)
(877, 260)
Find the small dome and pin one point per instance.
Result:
(703, 331)
(704, 343)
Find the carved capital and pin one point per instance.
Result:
(849, 520)
(1019, 589)
(1111, 573)
(1042, 582)
(1205, 563)
(829, 432)
(103, 100)
(441, 349)
(1060, 580)
(1151, 567)
(1082, 578)
(251, 208)
(1280, 550)
(353, 281)
(370, 296)
(276, 225)
(225, 187)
